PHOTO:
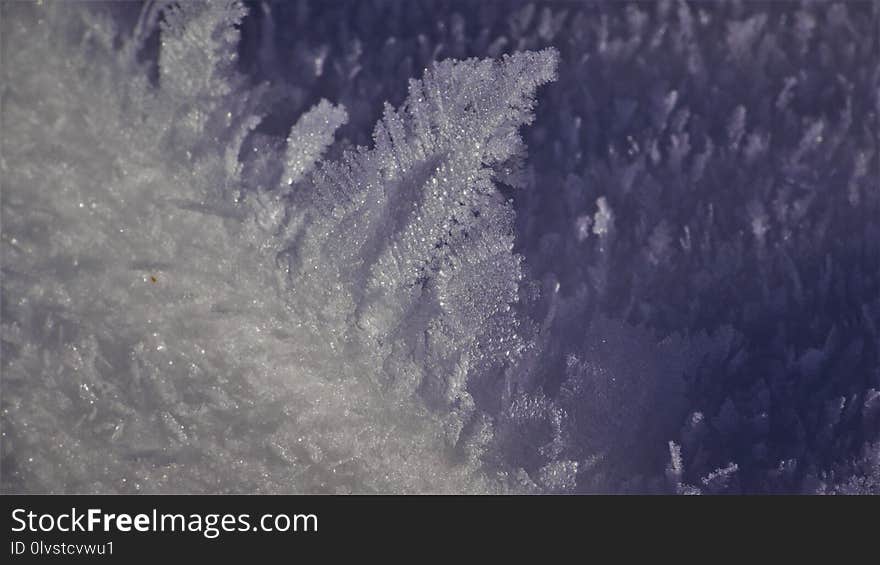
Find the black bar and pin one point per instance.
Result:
(375, 526)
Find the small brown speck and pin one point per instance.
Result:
(153, 279)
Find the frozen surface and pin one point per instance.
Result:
(440, 247)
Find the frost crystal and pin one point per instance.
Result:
(308, 139)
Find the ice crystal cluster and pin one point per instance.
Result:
(434, 246)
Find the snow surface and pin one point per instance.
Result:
(440, 247)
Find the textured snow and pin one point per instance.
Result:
(583, 248)
(177, 326)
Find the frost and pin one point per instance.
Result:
(308, 139)
(410, 242)
(197, 52)
(221, 274)
(603, 221)
(222, 328)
